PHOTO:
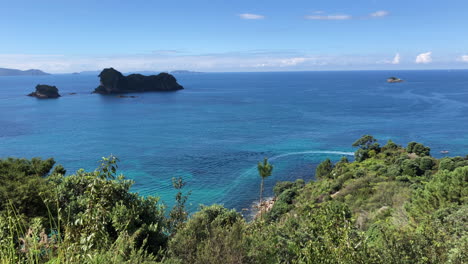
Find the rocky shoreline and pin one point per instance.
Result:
(257, 209)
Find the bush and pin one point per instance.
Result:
(418, 148)
(190, 244)
(324, 169)
(23, 186)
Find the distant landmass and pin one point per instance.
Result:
(15, 72)
(88, 72)
(137, 72)
(183, 72)
(113, 82)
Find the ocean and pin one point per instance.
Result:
(215, 131)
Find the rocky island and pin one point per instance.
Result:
(45, 92)
(113, 82)
(394, 80)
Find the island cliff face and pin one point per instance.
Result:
(45, 91)
(112, 81)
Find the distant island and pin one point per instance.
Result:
(15, 72)
(183, 72)
(113, 82)
(394, 80)
(45, 92)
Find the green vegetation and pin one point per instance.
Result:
(264, 170)
(393, 204)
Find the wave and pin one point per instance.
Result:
(345, 153)
(248, 173)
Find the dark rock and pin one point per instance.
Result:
(71, 93)
(112, 82)
(45, 91)
(394, 80)
(126, 96)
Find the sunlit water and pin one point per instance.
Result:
(215, 131)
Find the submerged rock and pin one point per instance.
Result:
(45, 91)
(112, 81)
(126, 96)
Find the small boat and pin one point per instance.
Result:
(444, 152)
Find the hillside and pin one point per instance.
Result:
(393, 204)
(15, 72)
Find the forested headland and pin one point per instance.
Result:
(392, 204)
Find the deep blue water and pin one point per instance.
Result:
(215, 131)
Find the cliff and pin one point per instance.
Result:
(112, 81)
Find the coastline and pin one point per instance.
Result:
(256, 208)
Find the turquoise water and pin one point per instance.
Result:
(215, 131)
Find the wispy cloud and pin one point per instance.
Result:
(381, 13)
(249, 16)
(329, 17)
(234, 61)
(395, 61)
(215, 62)
(424, 58)
(463, 58)
(321, 16)
(166, 52)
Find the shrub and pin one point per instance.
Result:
(324, 169)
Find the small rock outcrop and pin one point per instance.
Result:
(394, 80)
(113, 82)
(45, 91)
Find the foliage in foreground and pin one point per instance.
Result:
(393, 204)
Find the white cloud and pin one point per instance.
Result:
(380, 13)
(293, 61)
(396, 59)
(464, 58)
(329, 17)
(322, 16)
(424, 58)
(251, 16)
(230, 61)
(252, 60)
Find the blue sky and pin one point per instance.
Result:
(261, 35)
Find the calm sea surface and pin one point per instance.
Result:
(215, 131)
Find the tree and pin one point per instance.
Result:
(365, 142)
(178, 214)
(264, 170)
(23, 185)
(418, 148)
(368, 147)
(324, 169)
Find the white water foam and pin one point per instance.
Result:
(253, 170)
(312, 152)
